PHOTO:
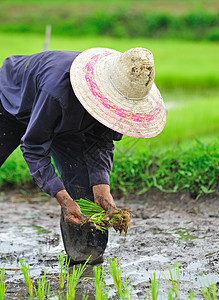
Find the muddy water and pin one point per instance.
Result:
(164, 229)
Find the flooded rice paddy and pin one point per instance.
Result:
(165, 228)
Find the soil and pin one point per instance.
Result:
(165, 228)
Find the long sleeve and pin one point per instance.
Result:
(36, 142)
(99, 152)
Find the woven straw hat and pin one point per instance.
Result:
(118, 90)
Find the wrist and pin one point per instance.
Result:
(101, 190)
(63, 198)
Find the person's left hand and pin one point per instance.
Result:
(103, 198)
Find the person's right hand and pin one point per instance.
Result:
(71, 210)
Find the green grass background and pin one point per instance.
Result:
(194, 20)
(188, 77)
(185, 64)
(186, 74)
(88, 5)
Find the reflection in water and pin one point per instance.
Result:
(39, 229)
(184, 234)
(29, 243)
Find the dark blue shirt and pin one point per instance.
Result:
(36, 89)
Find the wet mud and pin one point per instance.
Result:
(165, 228)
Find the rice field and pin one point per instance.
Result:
(179, 64)
(166, 252)
(70, 276)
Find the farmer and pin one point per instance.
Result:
(71, 106)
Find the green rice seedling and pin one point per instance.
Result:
(154, 286)
(26, 272)
(120, 219)
(209, 290)
(63, 269)
(173, 279)
(101, 293)
(122, 289)
(92, 211)
(170, 294)
(43, 289)
(191, 295)
(2, 284)
(72, 280)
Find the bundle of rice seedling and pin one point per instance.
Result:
(120, 219)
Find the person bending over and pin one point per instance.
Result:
(72, 106)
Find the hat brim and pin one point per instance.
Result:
(141, 119)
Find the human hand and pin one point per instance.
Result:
(72, 212)
(103, 198)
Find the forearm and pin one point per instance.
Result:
(37, 140)
(98, 153)
(42, 170)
